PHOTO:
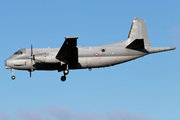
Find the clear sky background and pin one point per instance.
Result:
(143, 89)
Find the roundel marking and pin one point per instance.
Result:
(96, 54)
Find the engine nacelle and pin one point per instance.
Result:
(46, 59)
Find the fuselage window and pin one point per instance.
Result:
(103, 50)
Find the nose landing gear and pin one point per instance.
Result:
(13, 77)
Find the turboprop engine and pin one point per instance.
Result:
(45, 58)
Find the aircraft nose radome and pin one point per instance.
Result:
(5, 63)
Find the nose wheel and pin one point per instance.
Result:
(13, 77)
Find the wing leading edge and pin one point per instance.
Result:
(69, 51)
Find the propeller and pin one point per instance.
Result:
(31, 59)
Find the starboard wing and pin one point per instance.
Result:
(69, 51)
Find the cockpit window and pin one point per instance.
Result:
(18, 52)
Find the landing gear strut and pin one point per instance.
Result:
(13, 77)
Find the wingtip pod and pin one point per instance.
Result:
(160, 49)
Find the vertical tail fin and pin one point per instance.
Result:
(138, 31)
(138, 38)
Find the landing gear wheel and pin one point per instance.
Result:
(66, 72)
(13, 77)
(63, 78)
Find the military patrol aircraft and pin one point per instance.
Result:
(70, 56)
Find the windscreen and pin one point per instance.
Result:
(18, 52)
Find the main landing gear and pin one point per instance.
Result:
(13, 77)
(63, 78)
(66, 71)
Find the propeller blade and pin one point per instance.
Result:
(31, 56)
(31, 50)
(31, 60)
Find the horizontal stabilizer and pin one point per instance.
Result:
(136, 44)
(160, 49)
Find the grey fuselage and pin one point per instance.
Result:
(88, 57)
